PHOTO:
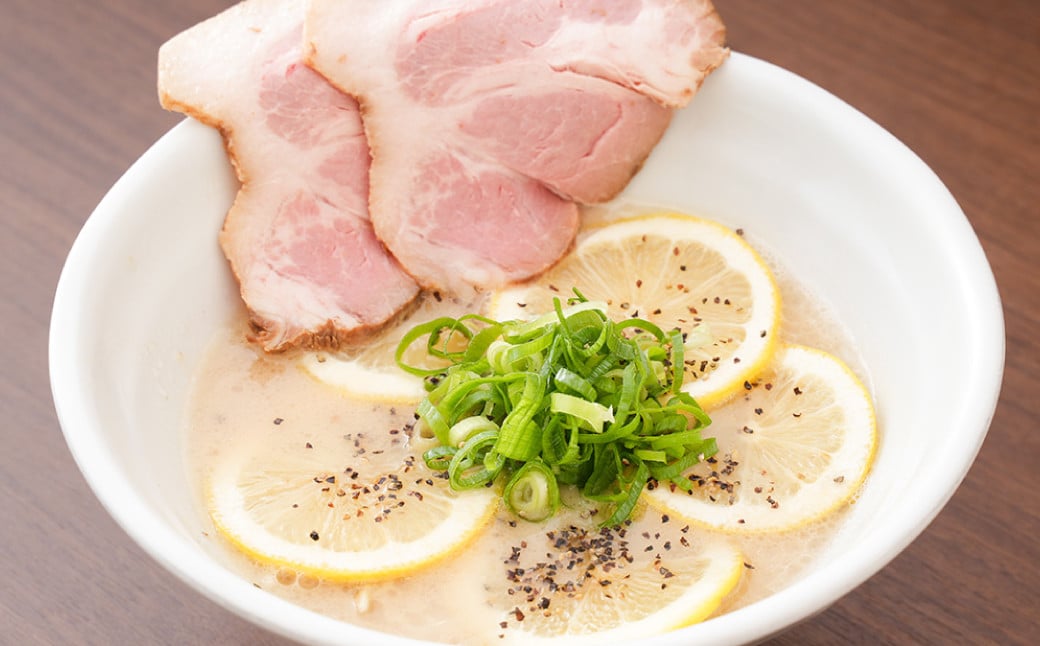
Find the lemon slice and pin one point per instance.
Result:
(794, 448)
(676, 271)
(365, 374)
(368, 371)
(302, 509)
(595, 586)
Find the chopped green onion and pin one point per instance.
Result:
(439, 457)
(651, 455)
(575, 383)
(593, 414)
(699, 337)
(469, 467)
(569, 397)
(532, 492)
(520, 437)
(467, 428)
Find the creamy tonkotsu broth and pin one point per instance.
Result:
(246, 401)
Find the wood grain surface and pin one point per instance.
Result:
(956, 80)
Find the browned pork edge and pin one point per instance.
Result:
(325, 337)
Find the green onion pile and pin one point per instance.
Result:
(569, 398)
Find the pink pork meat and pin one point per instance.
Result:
(488, 119)
(298, 237)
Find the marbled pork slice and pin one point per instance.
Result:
(456, 221)
(579, 136)
(571, 95)
(662, 49)
(298, 237)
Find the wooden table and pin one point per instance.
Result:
(957, 80)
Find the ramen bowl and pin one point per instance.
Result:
(854, 215)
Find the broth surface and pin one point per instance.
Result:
(245, 401)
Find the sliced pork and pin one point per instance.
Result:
(488, 118)
(298, 237)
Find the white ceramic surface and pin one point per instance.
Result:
(854, 213)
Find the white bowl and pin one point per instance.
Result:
(852, 212)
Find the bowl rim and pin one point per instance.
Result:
(800, 600)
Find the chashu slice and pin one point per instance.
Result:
(298, 237)
(487, 118)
